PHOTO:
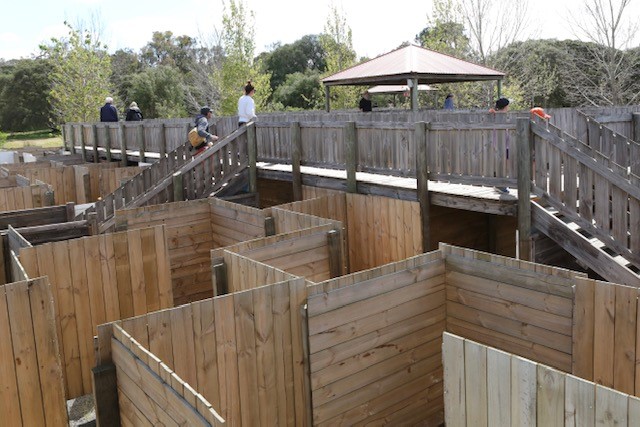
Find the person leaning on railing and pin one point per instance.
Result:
(202, 124)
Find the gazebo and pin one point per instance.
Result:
(412, 66)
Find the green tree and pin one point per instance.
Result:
(125, 64)
(159, 92)
(305, 54)
(165, 49)
(80, 73)
(24, 90)
(238, 65)
(336, 41)
(300, 91)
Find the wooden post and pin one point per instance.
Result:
(92, 219)
(334, 238)
(107, 141)
(178, 191)
(296, 154)
(422, 174)
(221, 287)
(523, 143)
(63, 133)
(414, 95)
(83, 148)
(123, 145)
(163, 142)
(269, 226)
(94, 131)
(72, 140)
(142, 142)
(351, 155)
(70, 208)
(635, 127)
(105, 393)
(253, 157)
(327, 100)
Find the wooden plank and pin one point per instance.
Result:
(550, 398)
(10, 410)
(583, 329)
(25, 354)
(182, 343)
(604, 333)
(226, 350)
(475, 368)
(625, 328)
(247, 369)
(523, 387)
(579, 402)
(84, 320)
(498, 388)
(454, 380)
(611, 407)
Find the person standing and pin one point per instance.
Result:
(108, 112)
(133, 113)
(365, 102)
(448, 102)
(246, 105)
(502, 106)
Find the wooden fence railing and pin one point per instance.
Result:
(149, 138)
(488, 387)
(593, 191)
(477, 152)
(179, 176)
(32, 392)
(95, 280)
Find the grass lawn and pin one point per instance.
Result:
(37, 138)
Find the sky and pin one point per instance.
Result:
(130, 24)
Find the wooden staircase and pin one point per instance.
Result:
(589, 251)
(587, 204)
(181, 175)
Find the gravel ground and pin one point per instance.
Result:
(82, 412)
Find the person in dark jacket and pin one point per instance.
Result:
(202, 124)
(133, 113)
(108, 112)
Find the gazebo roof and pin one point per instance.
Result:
(398, 88)
(412, 62)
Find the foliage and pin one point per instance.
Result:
(80, 73)
(24, 89)
(336, 41)
(238, 65)
(305, 54)
(446, 37)
(159, 92)
(125, 64)
(167, 50)
(300, 91)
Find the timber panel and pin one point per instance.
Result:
(95, 280)
(374, 340)
(32, 391)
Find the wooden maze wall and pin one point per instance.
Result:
(95, 280)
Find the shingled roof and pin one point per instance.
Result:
(412, 62)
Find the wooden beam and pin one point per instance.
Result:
(94, 132)
(635, 127)
(123, 145)
(221, 286)
(178, 190)
(422, 175)
(105, 394)
(523, 144)
(351, 155)
(269, 226)
(142, 142)
(327, 99)
(83, 149)
(253, 157)
(107, 142)
(334, 239)
(296, 154)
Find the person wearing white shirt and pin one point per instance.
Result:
(246, 106)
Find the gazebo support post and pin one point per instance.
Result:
(414, 94)
(327, 101)
(499, 88)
